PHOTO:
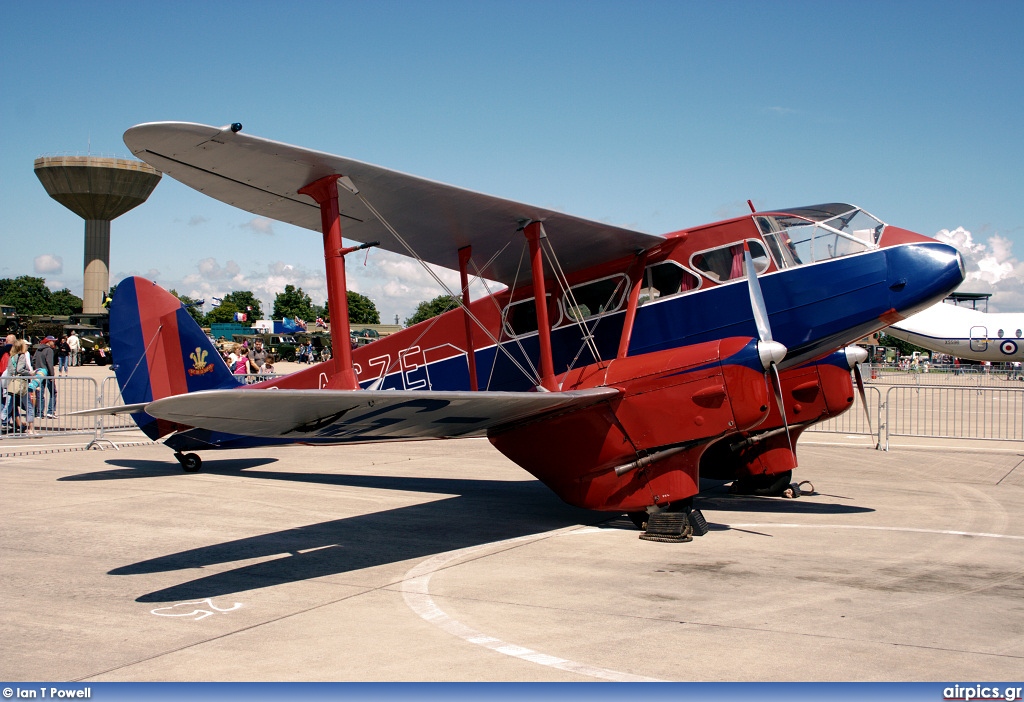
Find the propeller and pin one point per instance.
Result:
(770, 351)
(855, 355)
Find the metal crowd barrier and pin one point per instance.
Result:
(943, 412)
(974, 409)
(854, 421)
(1000, 375)
(71, 394)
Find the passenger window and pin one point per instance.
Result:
(665, 279)
(1018, 333)
(521, 318)
(1000, 334)
(726, 262)
(596, 297)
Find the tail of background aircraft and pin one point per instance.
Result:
(159, 350)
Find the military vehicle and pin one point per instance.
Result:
(10, 323)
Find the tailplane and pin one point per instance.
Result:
(159, 350)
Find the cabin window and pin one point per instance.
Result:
(726, 262)
(596, 297)
(521, 317)
(1000, 334)
(665, 279)
(1018, 333)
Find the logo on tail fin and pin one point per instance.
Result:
(199, 364)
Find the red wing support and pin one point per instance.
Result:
(465, 253)
(637, 273)
(533, 234)
(325, 192)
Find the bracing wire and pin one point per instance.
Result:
(440, 282)
(138, 364)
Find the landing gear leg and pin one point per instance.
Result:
(190, 462)
(639, 519)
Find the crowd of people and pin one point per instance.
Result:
(242, 360)
(27, 390)
(307, 353)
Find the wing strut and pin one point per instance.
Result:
(465, 253)
(325, 192)
(533, 233)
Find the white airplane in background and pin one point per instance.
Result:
(965, 333)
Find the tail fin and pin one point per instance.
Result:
(159, 350)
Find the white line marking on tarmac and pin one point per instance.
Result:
(947, 532)
(416, 591)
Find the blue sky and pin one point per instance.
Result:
(651, 115)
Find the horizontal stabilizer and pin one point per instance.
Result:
(115, 409)
(364, 415)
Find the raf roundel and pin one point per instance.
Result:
(1008, 347)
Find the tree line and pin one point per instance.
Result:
(29, 295)
(292, 303)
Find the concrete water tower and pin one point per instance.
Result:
(97, 189)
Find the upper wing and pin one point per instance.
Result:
(364, 415)
(263, 177)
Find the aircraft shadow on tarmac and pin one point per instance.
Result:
(476, 512)
(154, 469)
(479, 512)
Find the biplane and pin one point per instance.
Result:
(617, 367)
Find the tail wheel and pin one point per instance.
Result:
(190, 462)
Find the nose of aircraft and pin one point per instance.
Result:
(920, 270)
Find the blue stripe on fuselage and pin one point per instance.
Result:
(801, 318)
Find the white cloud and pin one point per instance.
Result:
(209, 269)
(991, 268)
(260, 225)
(48, 263)
(396, 284)
(211, 279)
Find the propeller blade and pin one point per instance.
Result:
(770, 351)
(777, 387)
(863, 395)
(855, 355)
(764, 330)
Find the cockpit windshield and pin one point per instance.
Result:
(818, 233)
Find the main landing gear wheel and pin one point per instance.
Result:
(762, 485)
(190, 462)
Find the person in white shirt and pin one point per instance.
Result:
(75, 344)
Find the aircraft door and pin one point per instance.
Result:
(979, 339)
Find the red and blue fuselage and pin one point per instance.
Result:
(671, 327)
